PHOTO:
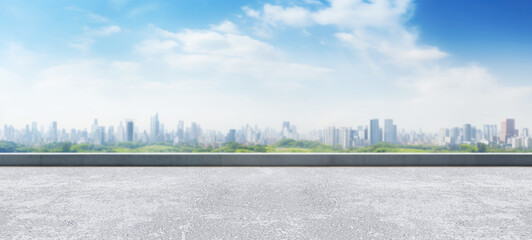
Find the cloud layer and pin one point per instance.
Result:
(370, 63)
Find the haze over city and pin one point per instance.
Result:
(265, 119)
(426, 64)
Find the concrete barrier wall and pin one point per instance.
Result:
(267, 159)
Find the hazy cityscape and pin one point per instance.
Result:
(504, 135)
(265, 119)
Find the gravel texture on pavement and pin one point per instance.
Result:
(265, 203)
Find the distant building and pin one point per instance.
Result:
(193, 133)
(180, 131)
(345, 137)
(375, 133)
(130, 130)
(288, 131)
(154, 128)
(231, 136)
(390, 131)
(330, 136)
(507, 130)
(467, 133)
(53, 132)
(490, 133)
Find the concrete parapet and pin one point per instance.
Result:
(265, 159)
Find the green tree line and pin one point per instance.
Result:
(285, 145)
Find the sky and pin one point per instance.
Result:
(223, 64)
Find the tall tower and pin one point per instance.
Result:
(331, 136)
(345, 137)
(467, 132)
(130, 128)
(154, 128)
(390, 131)
(53, 132)
(231, 136)
(375, 133)
(285, 131)
(181, 131)
(507, 129)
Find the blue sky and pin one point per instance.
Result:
(227, 63)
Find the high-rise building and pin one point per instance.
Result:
(120, 136)
(100, 136)
(130, 130)
(94, 132)
(375, 133)
(110, 134)
(181, 130)
(289, 131)
(330, 136)
(194, 132)
(467, 132)
(490, 133)
(53, 132)
(345, 137)
(524, 132)
(34, 132)
(390, 131)
(154, 128)
(231, 136)
(507, 130)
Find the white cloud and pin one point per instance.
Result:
(290, 16)
(251, 12)
(387, 52)
(105, 31)
(355, 14)
(223, 55)
(214, 43)
(18, 54)
(221, 71)
(155, 46)
(82, 44)
(225, 27)
(397, 45)
(469, 94)
(375, 27)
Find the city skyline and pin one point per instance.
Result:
(227, 64)
(346, 136)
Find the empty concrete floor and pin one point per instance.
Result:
(265, 203)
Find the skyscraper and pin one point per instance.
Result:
(231, 136)
(194, 132)
(375, 133)
(524, 132)
(288, 131)
(53, 132)
(130, 128)
(181, 131)
(390, 131)
(490, 133)
(467, 132)
(345, 137)
(285, 130)
(154, 128)
(507, 129)
(330, 136)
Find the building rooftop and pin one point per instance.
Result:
(266, 202)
